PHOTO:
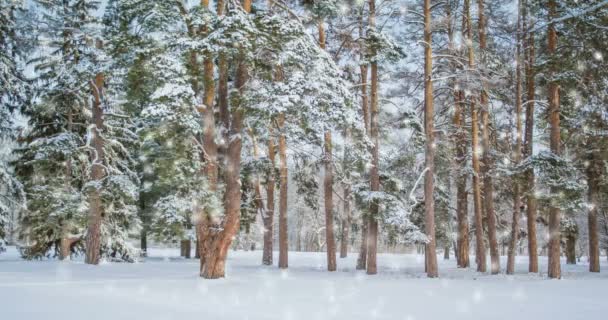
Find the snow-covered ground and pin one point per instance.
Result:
(166, 287)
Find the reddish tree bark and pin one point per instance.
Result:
(529, 143)
(429, 128)
(488, 185)
(372, 237)
(283, 239)
(362, 258)
(480, 250)
(594, 174)
(554, 266)
(269, 214)
(93, 238)
(328, 181)
(516, 151)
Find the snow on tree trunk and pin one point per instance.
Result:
(93, 238)
(554, 267)
(429, 127)
(222, 88)
(213, 258)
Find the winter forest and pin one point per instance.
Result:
(360, 146)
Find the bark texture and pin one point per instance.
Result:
(269, 214)
(429, 127)
(593, 180)
(217, 239)
(328, 181)
(372, 229)
(283, 240)
(96, 210)
(329, 206)
(516, 152)
(528, 146)
(362, 258)
(460, 140)
(554, 267)
(480, 250)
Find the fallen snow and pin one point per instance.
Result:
(166, 287)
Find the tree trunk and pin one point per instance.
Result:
(488, 186)
(346, 220)
(65, 245)
(329, 207)
(328, 181)
(516, 151)
(346, 214)
(209, 152)
(216, 244)
(554, 109)
(528, 147)
(372, 239)
(222, 91)
(362, 258)
(186, 248)
(283, 240)
(96, 210)
(480, 250)
(462, 210)
(571, 248)
(269, 214)
(593, 182)
(429, 128)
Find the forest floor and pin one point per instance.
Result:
(167, 287)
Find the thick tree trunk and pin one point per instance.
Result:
(269, 214)
(283, 239)
(209, 152)
(480, 250)
(93, 238)
(216, 243)
(516, 151)
(328, 181)
(554, 267)
(372, 230)
(528, 146)
(429, 128)
(593, 181)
